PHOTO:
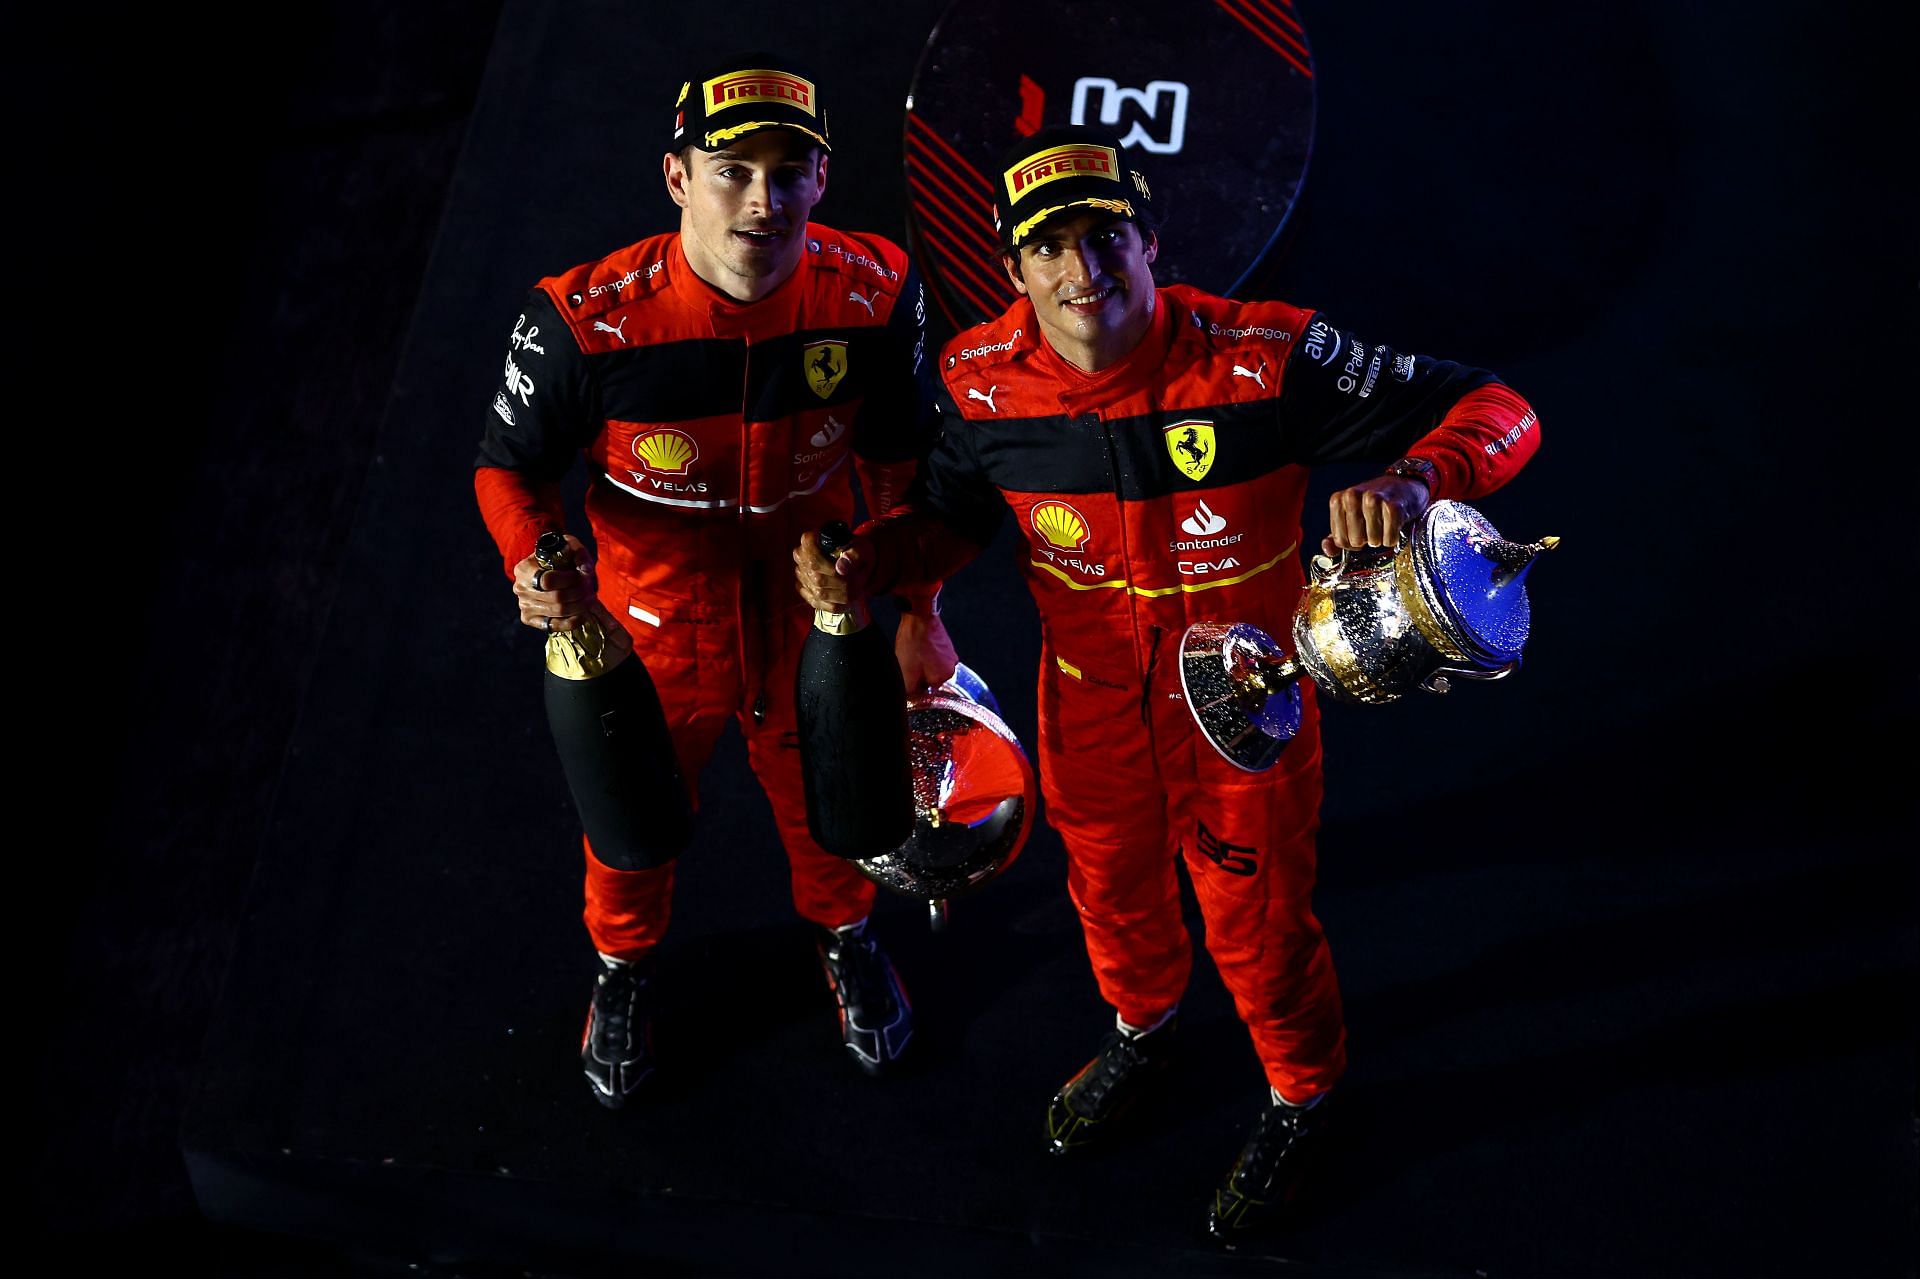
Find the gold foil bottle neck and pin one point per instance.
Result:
(854, 618)
(592, 648)
(584, 652)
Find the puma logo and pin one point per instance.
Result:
(854, 296)
(973, 393)
(603, 327)
(1241, 370)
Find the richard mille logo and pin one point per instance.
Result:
(973, 393)
(1241, 370)
(601, 326)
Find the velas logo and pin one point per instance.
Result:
(1078, 159)
(738, 88)
(666, 451)
(1059, 525)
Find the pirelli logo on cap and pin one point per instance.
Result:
(738, 88)
(1078, 159)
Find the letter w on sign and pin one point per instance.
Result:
(1107, 97)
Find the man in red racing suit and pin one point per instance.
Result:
(721, 381)
(1152, 446)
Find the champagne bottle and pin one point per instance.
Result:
(852, 712)
(612, 736)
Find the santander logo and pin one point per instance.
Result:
(1203, 522)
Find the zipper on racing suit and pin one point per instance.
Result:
(1126, 559)
(1146, 683)
(747, 588)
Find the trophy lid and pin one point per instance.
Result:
(1474, 581)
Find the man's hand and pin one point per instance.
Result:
(924, 650)
(556, 599)
(1373, 513)
(836, 586)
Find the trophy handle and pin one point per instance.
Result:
(1442, 678)
(1325, 570)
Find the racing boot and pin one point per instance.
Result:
(1284, 1141)
(876, 1021)
(1107, 1086)
(617, 1046)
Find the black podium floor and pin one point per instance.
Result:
(1627, 944)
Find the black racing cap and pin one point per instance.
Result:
(1062, 168)
(744, 94)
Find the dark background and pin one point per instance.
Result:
(1686, 235)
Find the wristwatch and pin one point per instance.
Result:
(1415, 468)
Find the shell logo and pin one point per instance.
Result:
(667, 451)
(1063, 528)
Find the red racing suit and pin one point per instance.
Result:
(1159, 492)
(715, 433)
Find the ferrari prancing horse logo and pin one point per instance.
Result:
(825, 364)
(1190, 445)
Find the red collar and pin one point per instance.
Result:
(774, 314)
(1133, 369)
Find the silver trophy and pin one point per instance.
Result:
(973, 797)
(1448, 602)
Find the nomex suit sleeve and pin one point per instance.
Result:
(542, 415)
(1344, 400)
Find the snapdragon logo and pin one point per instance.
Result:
(973, 352)
(639, 272)
(854, 258)
(1246, 331)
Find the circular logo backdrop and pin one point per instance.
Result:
(1212, 101)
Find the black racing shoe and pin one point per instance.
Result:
(876, 1021)
(1284, 1141)
(1106, 1087)
(617, 1046)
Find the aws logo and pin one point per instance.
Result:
(666, 451)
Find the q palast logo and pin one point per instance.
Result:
(737, 87)
(1068, 161)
